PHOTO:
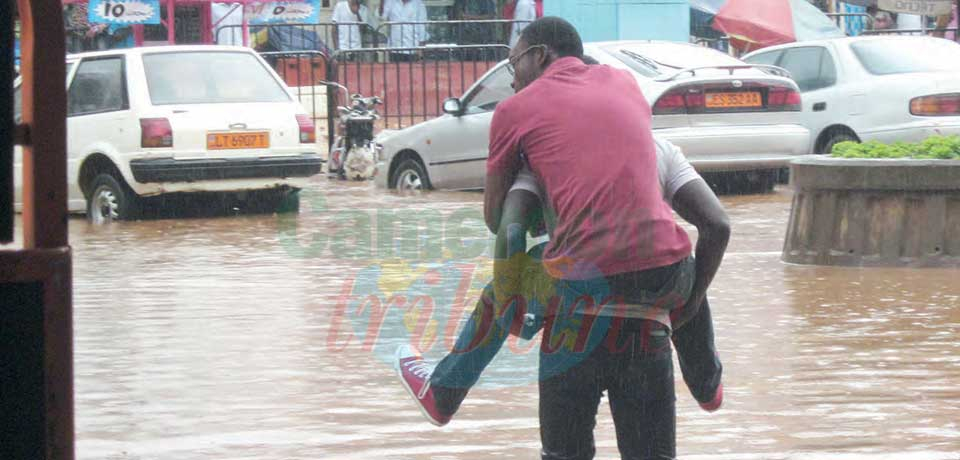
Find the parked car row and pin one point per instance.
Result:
(151, 121)
(147, 122)
(893, 88)
(726, 114)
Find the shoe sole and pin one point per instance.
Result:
(416, 400)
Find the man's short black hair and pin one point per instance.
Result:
(559, 35)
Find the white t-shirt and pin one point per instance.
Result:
(674, 172)
(673, 169)
(406, 35)
(349, 36)
(909, 21)
(526, 10)
(227, 19)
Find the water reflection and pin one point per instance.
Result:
(221, 338)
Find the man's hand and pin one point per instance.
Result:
(95, 30)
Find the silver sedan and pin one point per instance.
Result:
(725, 114)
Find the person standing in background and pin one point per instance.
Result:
(227, 20)
(524, 10)
(475, 33)
(910, 22)
(346, 15)
(953, 35)
(879, 20)
(947, 21)
(121, 36)
(411, 34)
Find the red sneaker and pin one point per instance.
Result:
(415, 375)
(717, 401)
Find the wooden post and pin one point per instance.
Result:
(44, 108)
(36, 318)
(6, 123)
(171, 22)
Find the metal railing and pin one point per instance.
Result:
(324, 36)
(459, 32)
(719, 44)
(947, 31)
(412, 82)
(329, 36)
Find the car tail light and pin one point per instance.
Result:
(783, 99)
(155, 133)
(680, 101)
(308, 131)
(936, 105)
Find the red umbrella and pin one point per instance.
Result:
(754, 24)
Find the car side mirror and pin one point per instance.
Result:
(453, 107)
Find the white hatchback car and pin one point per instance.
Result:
(884, 88)
(150, 121)
(726, 116)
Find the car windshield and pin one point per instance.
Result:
(657, 59)
(886, 57)
(489, 92)
(210, 78)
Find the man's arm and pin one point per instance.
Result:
(697, 204)
(503, 164)
(422, 35)
(494, 193)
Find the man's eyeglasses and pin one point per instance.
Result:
(512, 62)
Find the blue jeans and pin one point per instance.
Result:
(635, 368)
(484, 335)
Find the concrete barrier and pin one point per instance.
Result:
(893, 213)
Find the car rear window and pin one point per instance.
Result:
(886, 57)
(666, 58)
(210, 78)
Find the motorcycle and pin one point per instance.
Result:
(354, 154)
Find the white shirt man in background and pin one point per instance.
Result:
(227, 19)
(406, 35)
(526, 10)
(910, 21)
(349, 12)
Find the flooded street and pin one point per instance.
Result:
(266, 337)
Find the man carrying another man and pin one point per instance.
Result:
(584, 131)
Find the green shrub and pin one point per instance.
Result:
(934, 148)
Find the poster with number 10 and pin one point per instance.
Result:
(124, 12)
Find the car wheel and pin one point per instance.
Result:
(836, 138)
(110, 200)
(410, 177)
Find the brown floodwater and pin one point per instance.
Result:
(266, 337)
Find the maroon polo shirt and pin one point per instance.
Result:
(585, 131)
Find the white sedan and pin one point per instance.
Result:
(892, 88)
(726, 116)
(150, 121)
